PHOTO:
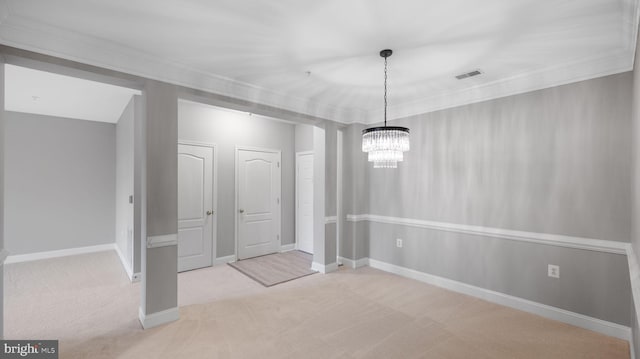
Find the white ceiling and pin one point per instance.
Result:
(262, 51)
(44, 93)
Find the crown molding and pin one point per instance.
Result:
(26, 34)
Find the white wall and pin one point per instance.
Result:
(59, 182)
(125, 185)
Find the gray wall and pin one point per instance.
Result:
(354, 237)
(551, 161)
(2, 174)
(160, 265)
(228, 129)
(635, 239)
(60, 183)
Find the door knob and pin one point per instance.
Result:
(242, 211)
(209, 213)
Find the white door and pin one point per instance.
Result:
(195, 207)
(258, 217)
(304, 201)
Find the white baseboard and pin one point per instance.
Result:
(224, 260)
(565, 316)
(331, 267)
(159, 318)
(287, 247)
(354, 263)
(59, 253)
(3, 255)
(133, 277)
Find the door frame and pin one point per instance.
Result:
(214, 225)
(237, 187)
(298, 155)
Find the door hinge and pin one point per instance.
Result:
(278, 164)
(278, 200)
(278, 237)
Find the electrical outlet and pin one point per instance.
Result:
(553, 271)
(398, 242)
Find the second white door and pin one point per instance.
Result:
(258, 196)
(195, 207)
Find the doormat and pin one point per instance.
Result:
(276, 268)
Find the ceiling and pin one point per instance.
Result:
(44, 93)
(321, 57)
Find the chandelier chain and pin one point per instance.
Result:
(385, 92)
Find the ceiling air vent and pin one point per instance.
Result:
(469, 74)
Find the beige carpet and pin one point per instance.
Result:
(276, 268)
(86, 302)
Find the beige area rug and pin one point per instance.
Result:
(276, 268)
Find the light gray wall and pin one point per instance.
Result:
(228, 129)
(125, 183)
(551, 161)
(554, 161)
(303, 137)
(354, 236)
(60, 183)
(2, 174)
(635, 239)
(160, 265)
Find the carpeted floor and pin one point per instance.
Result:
(276, 268)
(87, 303)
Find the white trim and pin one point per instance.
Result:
(331, 267)
(59, 253)
(162, 241)
(565, 316)
(330, 219)
(224, 260)
(559, 240)
(3, 256)
(158, 318)
(126, 266)
(362, 262)
(288, 247)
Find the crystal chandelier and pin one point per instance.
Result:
(385, 145)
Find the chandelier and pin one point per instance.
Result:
(385, 145)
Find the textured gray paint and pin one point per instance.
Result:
(355, 185)
(62, 173)
(125, 182)
(227, 130)
(330, 168)
(304, 138)
(553, 161)
(160, 265)
(162, 275)
(515, 268)
(162, 158)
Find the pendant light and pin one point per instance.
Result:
(385, 145)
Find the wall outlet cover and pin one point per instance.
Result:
(553, 271)
(398, 242)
